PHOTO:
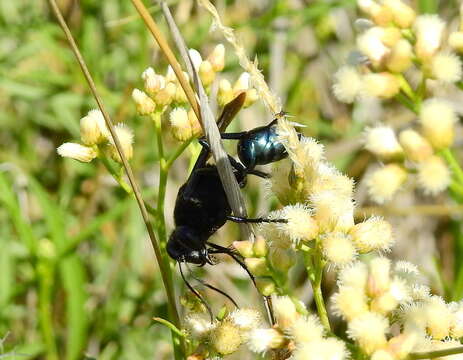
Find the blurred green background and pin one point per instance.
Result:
(77, 274)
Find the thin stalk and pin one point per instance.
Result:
(405, 101)
(315, 265)
(406, 88)
(435, 353)
(178, 152)
(165, 271)
(448, 156)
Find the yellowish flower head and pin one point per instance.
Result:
(246, 319)
(93, 129)
(338, 248)
(226, 337)
(433, 175)
(324, 349)
(348, 84)
(355, 276)
(383, 85)
(370, 44)
(416, 147)
(382, 142)
(401, 56)
(217, 58)
(285, 311)
(437, 119)
(125, 136)
(379, 276)
(369, 331)
(305, 329)
(333, 212)
(144, 104)
(372, 234)
(198, 325)
(349, 303)
(300, 224)
(446, 67)
(263, 340)
(384, 182)
(429, 30)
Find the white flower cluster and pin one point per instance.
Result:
(319, 206)
(162, 91)
(93, 132)
(393, 38)
(374, 297)
(412, 152)
(303, 334)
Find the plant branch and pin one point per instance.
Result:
(435, 353)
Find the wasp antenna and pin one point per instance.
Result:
(212, 287)
(196, 293)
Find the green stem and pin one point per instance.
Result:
(453, 164)
(45, 269)
(161, 222)
(435, 353)
(169, 325)
(406, 88)
(117, 175)
(405, 101)
(315, 265)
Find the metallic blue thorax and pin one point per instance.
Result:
(260, 146)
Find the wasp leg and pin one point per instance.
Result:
(196, 293)
(233, 136)
(244, 220)
(230, 252)
(212, 287)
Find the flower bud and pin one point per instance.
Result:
(166, 95)
(433, 175)
(182, 128)
(226, 338)
(438, 118)
(77, 152)
(381, 15)
(384, 182)
(145, 105)
(372, 234)
(196, 129)
(225, 92)
(180, 96)
(246, 319)
(402, 345)
(242, 84)
(382, 355)
(403, 15)
(400, 58)
(299, 223)
(446, 67)
(263, 340)
(370, 44)
(198, 325)
(349, 303)
(329, 348)
(217, 58)
(369, 331)
(125, 136)
(305, 329)
(354, 276)
(93, 128)
(260, 247)
(153, 81)
(170, 75)
(348, 84)
(285, 311)
(338, 248)
(332, 211)
(429, 30)
(383, 85)
(383, 304)
(416, 147)
(257, 266)
(382, 142)
(266, 286)
(206, 73)
(390, 36)
(438, 318)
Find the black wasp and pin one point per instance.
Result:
(202, 207)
